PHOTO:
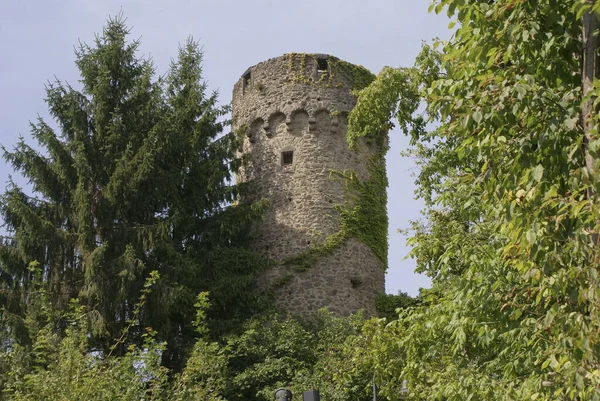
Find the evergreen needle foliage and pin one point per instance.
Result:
(133, 177)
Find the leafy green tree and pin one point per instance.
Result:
(299, 354)
(509, 176)
(205, 374)
(388, 304)
(270, 352)
(63, 369)
(60, 366)
(135, 177)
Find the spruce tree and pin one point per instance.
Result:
(134, 177)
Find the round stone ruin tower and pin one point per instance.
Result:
(326, 221)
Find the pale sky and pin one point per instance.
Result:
(37, 39)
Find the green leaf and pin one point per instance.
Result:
(531, 236)
(538, 172)
(571, 123)
(582, 8)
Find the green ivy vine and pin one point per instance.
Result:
(358, 75)
(364, 213)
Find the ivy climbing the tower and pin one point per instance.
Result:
(363, 215)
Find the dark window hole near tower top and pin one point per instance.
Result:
(247, 80)
(322, 65)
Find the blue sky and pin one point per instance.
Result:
(37, 38)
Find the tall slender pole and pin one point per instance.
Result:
(589, 71)
(374, 389)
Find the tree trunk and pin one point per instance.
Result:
(590, 49)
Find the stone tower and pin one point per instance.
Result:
(326, 223)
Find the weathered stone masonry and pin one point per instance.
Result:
(294, 112)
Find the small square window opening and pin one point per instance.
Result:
(287, 158)
(322, 64)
